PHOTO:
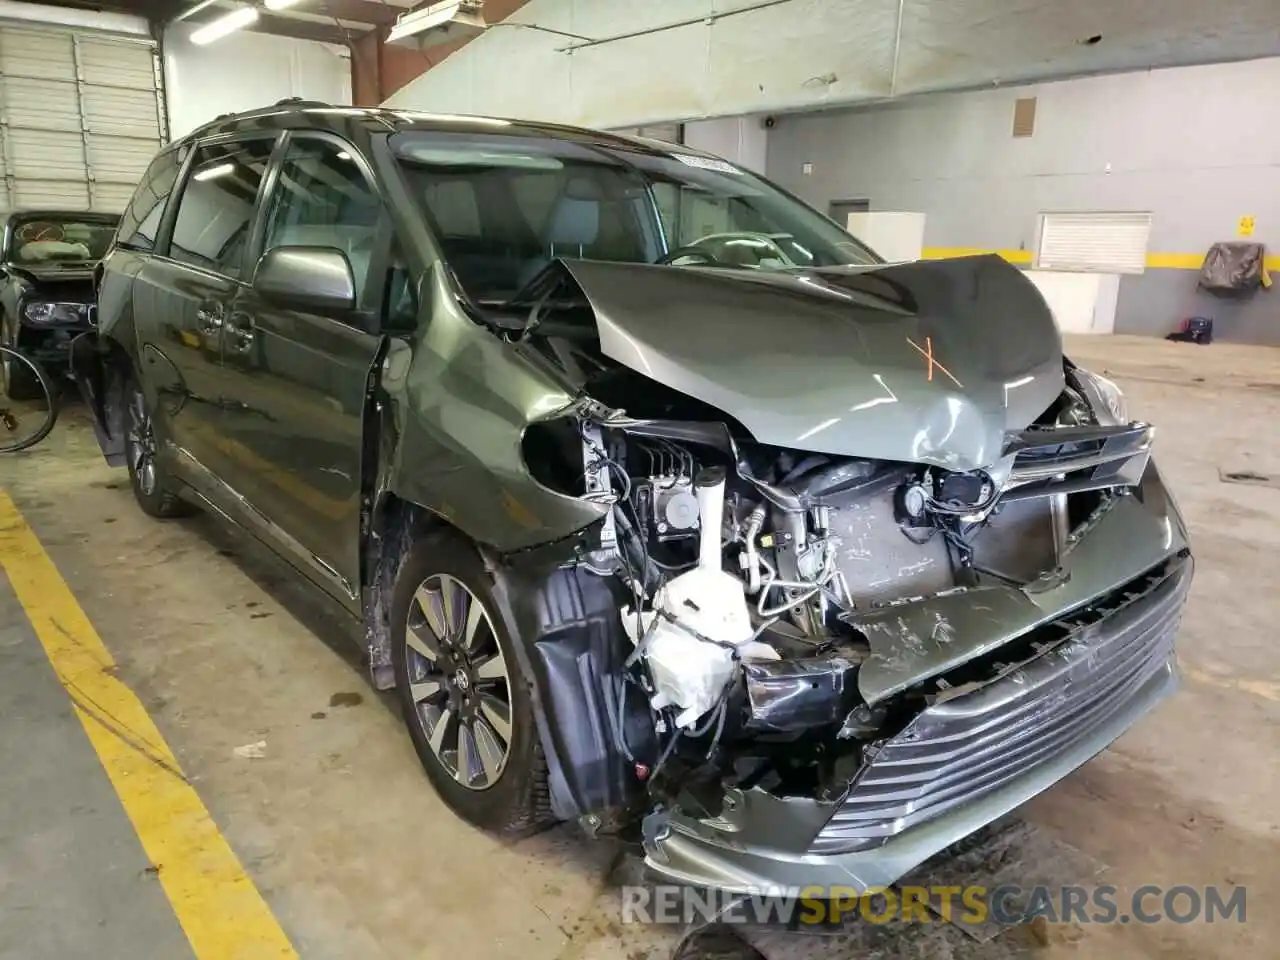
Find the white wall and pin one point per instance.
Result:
(247, 70)
(741, 140)
(1197, 147)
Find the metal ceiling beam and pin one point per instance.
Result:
(358, 11)
(361, 11)
(304, 30)
(286, 27)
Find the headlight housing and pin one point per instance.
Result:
(1105, 398)
(45, 314)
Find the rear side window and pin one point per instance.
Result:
(216, 207)
(139, 223)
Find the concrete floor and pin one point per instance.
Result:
(356, 857)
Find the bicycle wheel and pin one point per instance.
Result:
(24, 422)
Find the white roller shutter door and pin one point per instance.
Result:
(81, 116)
(1094, 242)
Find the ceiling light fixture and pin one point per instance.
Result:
(229, 23)
(448, 20)
(438, 23)
(212, 173)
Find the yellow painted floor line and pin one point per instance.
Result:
(221, 911)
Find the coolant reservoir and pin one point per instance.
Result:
(703, 618)
(700, 619)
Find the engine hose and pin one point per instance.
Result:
(811, 587)
(755, 521)
(790, 604)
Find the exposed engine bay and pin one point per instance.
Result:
(748, 569)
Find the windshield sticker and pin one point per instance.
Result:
(707, 163)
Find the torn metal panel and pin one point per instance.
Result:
(913, 641)
(877, 561)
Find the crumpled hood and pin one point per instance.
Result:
(930, 362)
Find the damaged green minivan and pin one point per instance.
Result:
(665, 505)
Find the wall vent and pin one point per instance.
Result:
(1024, 116)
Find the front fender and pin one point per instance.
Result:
(461, 399)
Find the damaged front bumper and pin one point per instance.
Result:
(979, 750)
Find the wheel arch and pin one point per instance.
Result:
(392, 525)
(558, 615)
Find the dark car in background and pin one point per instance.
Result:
(664, 504)
(46, 297)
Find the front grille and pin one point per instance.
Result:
(1074, 459)
(957, 750)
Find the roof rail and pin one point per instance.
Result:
(288, 102)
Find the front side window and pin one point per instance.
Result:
(323, 200)
(73, 240)
(400, 298)
(503, 207)
(215, 210)
(740, 219)
(502, 211)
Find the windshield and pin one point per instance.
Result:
(505, 207)
(46, 239)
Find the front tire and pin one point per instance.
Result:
(152, 486)
(464, 695)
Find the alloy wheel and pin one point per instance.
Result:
(141, 441)
(458, 681)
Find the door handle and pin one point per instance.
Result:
(209, 318)
(240, 336)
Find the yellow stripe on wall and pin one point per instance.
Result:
(1176, 261)
(1156, 261)
(221, 911)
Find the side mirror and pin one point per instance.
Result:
(309, 278)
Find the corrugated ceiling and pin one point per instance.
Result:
(798, 54)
